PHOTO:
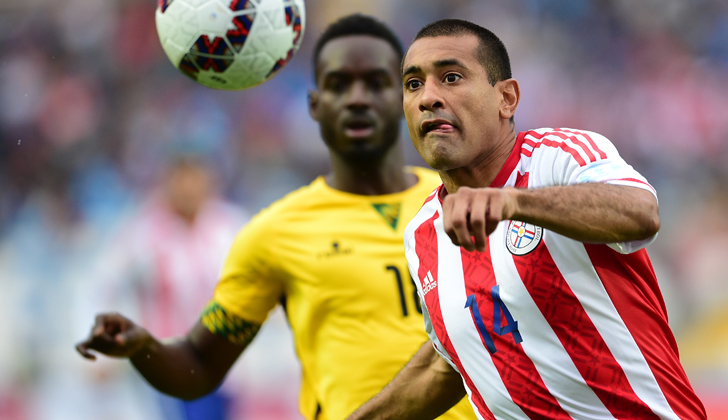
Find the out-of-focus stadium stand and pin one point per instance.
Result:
(90, 107)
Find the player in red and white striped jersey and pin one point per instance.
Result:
(530, 257)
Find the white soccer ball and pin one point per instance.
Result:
(230, 44)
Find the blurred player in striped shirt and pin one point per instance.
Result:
(165, 260)
(539, 298)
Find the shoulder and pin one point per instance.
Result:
(427, 181)
(426, 176)
(149, 220)
(225, 213)
(290, 204)
(274, 219)
(429, 211)
(582, 145)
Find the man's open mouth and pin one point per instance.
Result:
(358, 128)
(437, 126)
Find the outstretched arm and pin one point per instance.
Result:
(186, 367)
(427, 387)
(591, 212)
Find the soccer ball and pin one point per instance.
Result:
(230, 44)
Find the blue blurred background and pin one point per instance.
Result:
(92, 114)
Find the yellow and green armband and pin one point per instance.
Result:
(225, 324)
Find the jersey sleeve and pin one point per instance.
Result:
(567, 157)
(250, 285)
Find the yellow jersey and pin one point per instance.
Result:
(336, 262)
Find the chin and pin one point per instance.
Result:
(437, 164)
(439, 160)
(362, 154)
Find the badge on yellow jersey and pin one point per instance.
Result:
(390, 212)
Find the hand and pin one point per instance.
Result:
(115, 336)
(471, 215)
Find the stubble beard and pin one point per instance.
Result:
(361, 153)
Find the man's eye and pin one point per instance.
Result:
(336, 85)
(452, 78)
(378, 83)
(413, 84)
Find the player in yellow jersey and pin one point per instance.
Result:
(331, 252)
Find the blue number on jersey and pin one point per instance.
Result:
(473, 305)
(498, 307)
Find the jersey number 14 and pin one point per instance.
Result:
(498, 328)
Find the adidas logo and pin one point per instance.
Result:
(428, 283)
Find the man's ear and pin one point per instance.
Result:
(510, 97)
(313, 101)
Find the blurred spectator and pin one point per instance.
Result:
(166, 261)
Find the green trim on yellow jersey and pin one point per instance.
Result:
(224, 324)
(390, 212)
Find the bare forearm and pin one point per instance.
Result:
(424, 389)
(192, 366)
(173, 368)
(598, 213)
(188, 367)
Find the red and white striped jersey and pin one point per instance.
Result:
(541, 326)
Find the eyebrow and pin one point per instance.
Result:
(449, 62)
(375, 72)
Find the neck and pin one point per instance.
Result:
(482, 171)
(376, 177)
(188, 217)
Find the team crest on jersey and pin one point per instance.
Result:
(522, 238)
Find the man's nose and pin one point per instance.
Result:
(358, 95)
(431, 97)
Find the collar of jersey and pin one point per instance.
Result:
(505, 172)
(410, 169)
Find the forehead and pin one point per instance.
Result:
(427, 51)
(357, 53)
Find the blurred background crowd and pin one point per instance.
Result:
(122, 182)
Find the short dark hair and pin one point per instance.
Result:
(492, 53)
(357, 24)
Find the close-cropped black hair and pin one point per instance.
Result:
(357, 24)
(492, 53)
